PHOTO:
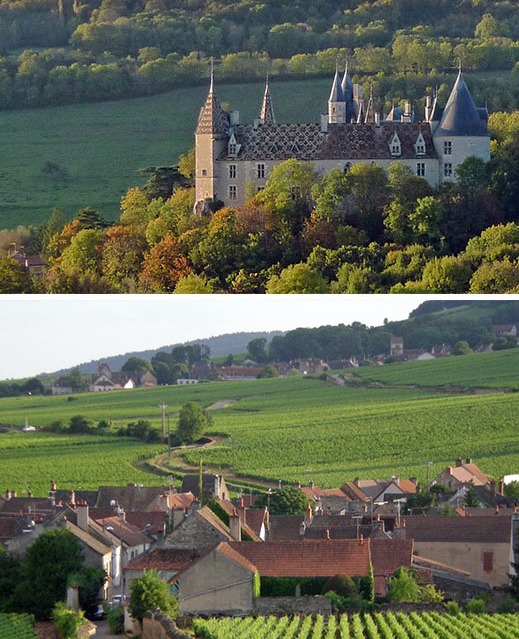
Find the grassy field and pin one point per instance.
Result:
(482, 370)
(102, 146)
(290, 429)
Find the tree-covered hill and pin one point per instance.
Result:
(75, 51)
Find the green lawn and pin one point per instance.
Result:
(103, 145)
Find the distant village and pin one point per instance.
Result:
(208, 547)
(105, 379)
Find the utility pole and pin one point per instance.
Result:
(163, 406)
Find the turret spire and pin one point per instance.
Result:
(267, 110)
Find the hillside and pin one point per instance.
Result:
(289, 429)
(219, 346)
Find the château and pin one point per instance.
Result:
(233, 158)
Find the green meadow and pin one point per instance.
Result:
(293, 429)
(102, 146)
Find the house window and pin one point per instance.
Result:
(233, 192)
(447, 147)
(488, 561)
(204, 171)
(447, 169)
(232, 171)
(261, 171)
(420, 169)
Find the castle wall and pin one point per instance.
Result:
(454, 150)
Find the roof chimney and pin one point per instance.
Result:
(235, 525)
(302, 529)
(8, 494)
(468, 460)
(308, 514)
(327, 533)
(82, 515)
(459, 462)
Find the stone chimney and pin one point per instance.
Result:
(327, 534)
(459, 462)
(302, 530)
(235, 526)
(8, 494)
(29, 494)
(82, 515)
(308, 514)
(502, 485)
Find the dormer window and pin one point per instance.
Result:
(233, 148)
(419, 145)
(394, 146)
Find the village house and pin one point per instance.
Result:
(223, 580)
(105, 379)
(479, 546)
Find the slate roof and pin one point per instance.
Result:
(91, 541)
(461, 116)
(342, 141)
(459, 529)
(284, 527)
(307, 558)
(163, 559)
(131, 497)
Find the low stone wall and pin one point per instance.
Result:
(155, 625)
(292, 605)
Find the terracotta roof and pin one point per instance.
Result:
(254, 518)
(163, 559)
(459, 529)
(225, 549)
(123, 530)
(354, 492)
(465, 511)
(13, 526)
(388, 555)
(307, 558)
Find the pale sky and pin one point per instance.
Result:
(45, 333)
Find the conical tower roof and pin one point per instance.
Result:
(212, 119)
(336, 94)
(460, 116)
(346, 83)
(267, 110)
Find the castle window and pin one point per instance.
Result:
(233, 191)
(447, 169)
(447, 147)
(232, 148)
(232, 171)
(204, 172)
(261, 171)
(420, 169)
(347, 167)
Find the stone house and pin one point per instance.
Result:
(462, 474)
(105, 379)
(201, 529)
(213, 486)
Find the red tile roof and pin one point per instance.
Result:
(307, 558)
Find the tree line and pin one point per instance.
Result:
(360, 231)
(76, 51)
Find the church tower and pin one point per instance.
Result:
(462, 131)
(211, 137)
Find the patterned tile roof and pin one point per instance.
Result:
(212, 118)
(342, 141)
